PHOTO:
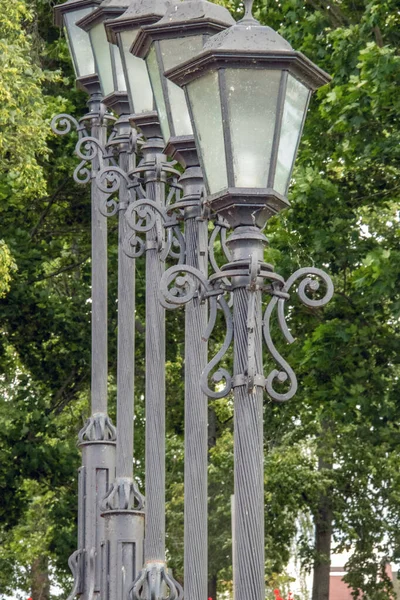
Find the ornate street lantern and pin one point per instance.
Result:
(178, 35)
(67, 15)
(256, 89)
(247, 91)
(122, 32)
(106, 56)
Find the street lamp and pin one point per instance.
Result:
(122, 32)
(256, 89)
(106, 56)
(67, 15)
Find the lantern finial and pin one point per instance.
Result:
(248, 12)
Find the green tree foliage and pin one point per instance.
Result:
(343, 218)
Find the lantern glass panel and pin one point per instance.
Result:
(119, 83)
(296, 101)
(204, 92)
(137, 77)
(102, 55)
(173, 52)
(79, 42)
(156, 84)
(252, 96)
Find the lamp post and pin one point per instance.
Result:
(256, 88)
(181, 33)
(97, 438)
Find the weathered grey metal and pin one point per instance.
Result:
(97, 438)
(196, 402)
(154, 582)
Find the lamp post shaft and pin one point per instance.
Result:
(126, 333)
(155, 370)
(99, 280)
(196, 406)
(249, 579)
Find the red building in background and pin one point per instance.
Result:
(339, 590)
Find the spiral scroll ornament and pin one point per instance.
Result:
(308, 284)
(143, 216)
(154, 583)
(63, 124)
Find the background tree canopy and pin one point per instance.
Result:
(332, 453)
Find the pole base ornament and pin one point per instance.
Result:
(123, 495)
(98, 428)
(154, 583)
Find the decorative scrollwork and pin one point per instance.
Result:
(151, 582)
(187, 282)
(220, 375)
(181, 284)
(98, 428)
(220, 230)
(286, 373)
(123, 495)
(134, 246)
(109, 179)
(75, 565)
(82, 174)
(88, 148)
(62, 125)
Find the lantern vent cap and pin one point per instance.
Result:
(107, 10)
(139, 13)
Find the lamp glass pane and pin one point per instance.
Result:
(137, 77)
(79, 42)
(179, 110)
(173, 52)
(119, 83)
(102, 56)
(296, 102)
(252, 96)
(204, 92)
(156, 85)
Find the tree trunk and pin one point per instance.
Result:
(212, 587)
(323, 535)
(40, 584)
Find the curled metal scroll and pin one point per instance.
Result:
(87, 149)
(123, 495)
(181, 284)
(98, 428)
(286, 373)
(109, 181)
(134, 246)
(151, 581)
(144, 215)
(220, 375)
(74, 563)
(219, 230)
(62, 125)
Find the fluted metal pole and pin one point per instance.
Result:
(154, 581)
(249, 580)
(122, 548)
(196, 405)
(155, 373)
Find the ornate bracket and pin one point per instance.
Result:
(75, 565)
(180, 284)
(154, 583)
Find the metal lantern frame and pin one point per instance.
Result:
(136, 16)
(182, 21)
(248, 46)
(117, 98)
